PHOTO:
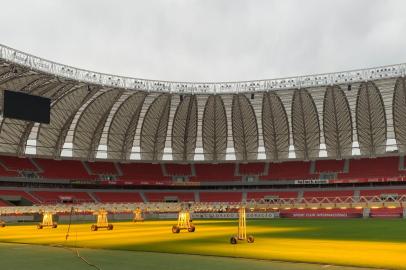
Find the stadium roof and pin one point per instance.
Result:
(100, 115)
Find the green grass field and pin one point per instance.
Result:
(355, 242)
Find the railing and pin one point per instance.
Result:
(108, 80)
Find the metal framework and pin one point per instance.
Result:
(96, 115)
(91, 77)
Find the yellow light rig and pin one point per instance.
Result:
(102, 221)
(2, 223)
(242, 228)
(47, 221)
(184, 222)
(138, 215)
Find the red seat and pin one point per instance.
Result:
(251, 168)
(17, 163)
(118, 197)
(19, 193)
(215, 172)
(178, 169)
(102, 168)
(63, 169)
(220, 196)
(289, 170)
(277, 194)
(160, 196)
(138, 172)
(328, 194)
(58, 196)
(372, 167)
(329, 166)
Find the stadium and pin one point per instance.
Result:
(212, 170)
(294, 153)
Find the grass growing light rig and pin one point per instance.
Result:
(102, 221)
(47, 221)
(2, 223)
(242, 228)
(138, 215)
(184, 222)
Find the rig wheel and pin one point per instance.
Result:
(93, 228)
(175, 229)
(250, 239)
(191, 229)
(233, 240)
(55, 225)
(39, 226)
(2, 224)
(110, 227)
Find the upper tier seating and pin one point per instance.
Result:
(276, 194)
(6, 173)
(372, 167)
(102, 168)
(63, 169)
(123, 197)
(251, 168)
(163, 196)
(220, 196)
(178, 169)
(139, 172)
(17, 164)
(289, 170)
(59, 196)
(215, 172)
(329, 166)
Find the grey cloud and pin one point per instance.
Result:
(208, 40)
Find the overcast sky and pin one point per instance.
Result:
(208, 40)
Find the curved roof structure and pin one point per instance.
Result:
(94, 115)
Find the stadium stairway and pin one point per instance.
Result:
(197, 196)
(144, 198)
(94, 198)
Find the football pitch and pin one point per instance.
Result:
(352, 242)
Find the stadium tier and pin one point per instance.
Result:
(382, 169)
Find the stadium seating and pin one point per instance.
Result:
(19, 193)
(178, 169)
(163, 196)
(138, 172)
(4, 203)
(6, 173)
(372, 167)
(108, 197)
(374, 192)
(329, 166)
(220, 196)
(328, 194)
(289, 170)
(251, 168)
(102, 168)
(17, 164)
(257, 195)
(60, 196)
(63, 169)
(215, 172)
